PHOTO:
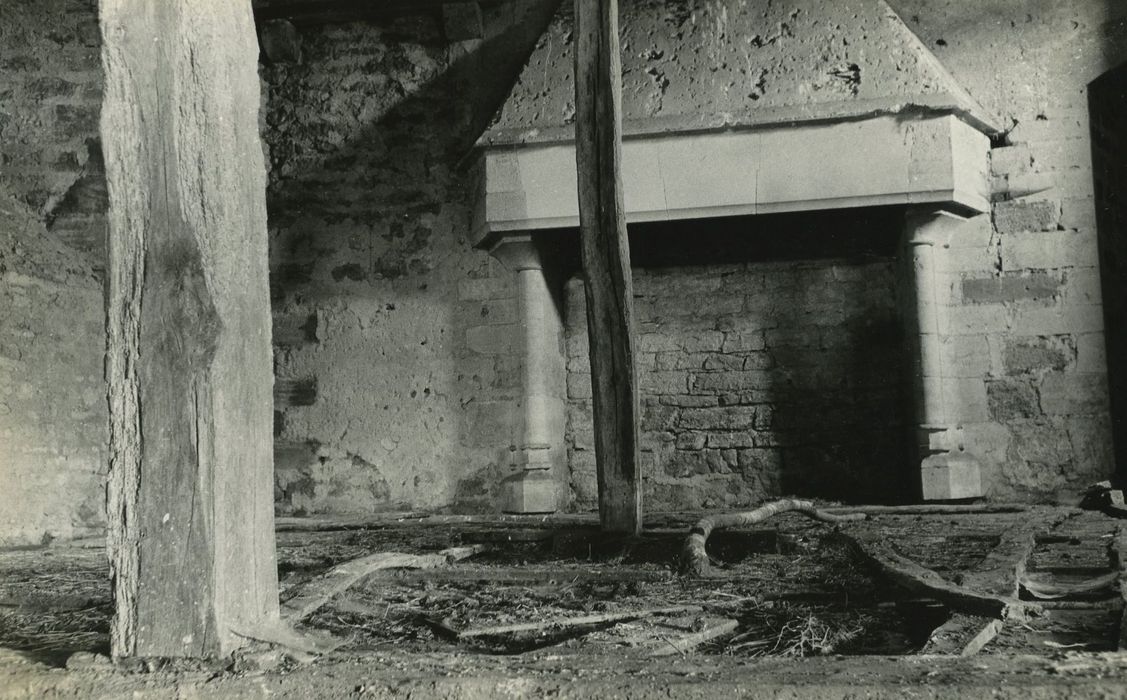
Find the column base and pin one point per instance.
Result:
(531, 491)
(950, 476)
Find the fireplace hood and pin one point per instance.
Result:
(742, 107)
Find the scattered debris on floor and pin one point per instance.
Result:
(1036, 580)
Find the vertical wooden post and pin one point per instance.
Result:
(190, 491)
(606, 263)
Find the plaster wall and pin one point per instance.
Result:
(397, 349)
(52, 202)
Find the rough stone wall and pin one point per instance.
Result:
(1026, 323)
(52, 205)
(774, 375)
(50, 95)
(397, 366)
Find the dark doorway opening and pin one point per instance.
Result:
(1107, 102)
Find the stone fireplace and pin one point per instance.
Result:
(769, 354)
(791, 196)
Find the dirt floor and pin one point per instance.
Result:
(550, 606)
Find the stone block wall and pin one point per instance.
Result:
(52, 204)
(779, 374)
(1025, 343)
(50, 96)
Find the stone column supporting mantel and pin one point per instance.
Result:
(541, 459)
(947, 471)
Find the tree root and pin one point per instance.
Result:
(919, 579)
(694, 559)
(932, 509)
(311, 596)
(581, 621)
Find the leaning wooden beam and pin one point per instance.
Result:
(606, 263)
(910, 575)
(694, 557)
(190, 486)
(313, 595)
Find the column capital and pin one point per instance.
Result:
(930, 225)
(518, 252)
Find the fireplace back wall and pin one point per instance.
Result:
(770, 360)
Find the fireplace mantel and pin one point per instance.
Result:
(881, 161)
